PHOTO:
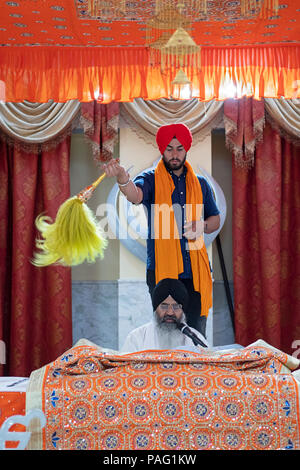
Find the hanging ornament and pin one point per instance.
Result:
(181, 86)
(180, 51)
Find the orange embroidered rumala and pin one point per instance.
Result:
(168, 400)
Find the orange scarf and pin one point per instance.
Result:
(168, 256)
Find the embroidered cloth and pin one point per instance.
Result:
(171, 399)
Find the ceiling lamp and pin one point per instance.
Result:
(171, 45)
(177, 52)
(106, 9)
(171, 14)
(169, 18)
(181, 86)
(180, 51)
(168, 39)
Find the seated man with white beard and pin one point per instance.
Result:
(169, 300)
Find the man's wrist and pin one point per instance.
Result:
(124, 179)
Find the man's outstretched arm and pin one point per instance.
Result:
(132, 192)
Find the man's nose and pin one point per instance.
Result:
(169, 307)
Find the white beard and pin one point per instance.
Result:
(169, 336)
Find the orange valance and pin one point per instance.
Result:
(105, 74)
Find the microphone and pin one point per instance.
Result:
(188, 332)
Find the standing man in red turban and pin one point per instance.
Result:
(176, 198)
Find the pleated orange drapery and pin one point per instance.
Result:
(39, 73)
(35, 303)
(266, 241)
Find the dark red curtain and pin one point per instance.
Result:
(266, 245)
(101, 127)
(35, 303)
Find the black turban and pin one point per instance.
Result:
(172, 287)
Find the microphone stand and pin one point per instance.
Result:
(188, 332)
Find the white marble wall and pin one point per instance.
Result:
(223, 332)
(135, 307)
(95, 312)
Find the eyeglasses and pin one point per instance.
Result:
(174, 307)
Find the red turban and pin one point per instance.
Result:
(166, 133)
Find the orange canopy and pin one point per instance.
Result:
(53, 50)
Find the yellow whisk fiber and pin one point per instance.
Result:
(74, 237)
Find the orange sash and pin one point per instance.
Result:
(168, 256)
